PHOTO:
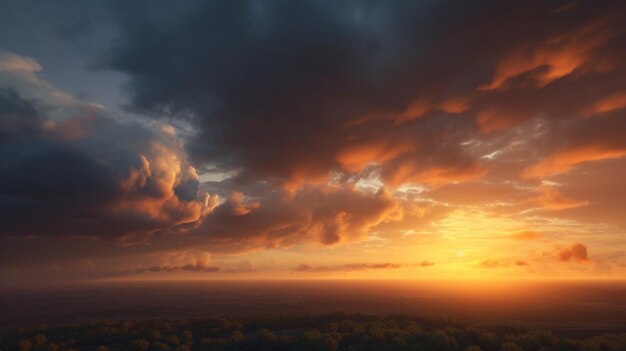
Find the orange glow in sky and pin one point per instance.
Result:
(308, 141)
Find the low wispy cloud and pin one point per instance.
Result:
(347, 267)
(189, 267)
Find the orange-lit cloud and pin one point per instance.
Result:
(326, 215)
(416, 109)
(329, 137)
(616, 101)
(563, 161)
(552, 59)
(197, 261)
(346, 267)
(526, 235)
(489, 263)
(411, 171)
(355, 158)
(577, 252)
(100, 177)
(456, 104)
(552, 199)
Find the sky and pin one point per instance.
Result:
(152, 140)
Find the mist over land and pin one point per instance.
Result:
(574, 309)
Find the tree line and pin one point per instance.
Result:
(332, 332)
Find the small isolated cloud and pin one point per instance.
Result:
(521, 263)
(426, 263)
(577, 252)
(489, 263)
(526, 235)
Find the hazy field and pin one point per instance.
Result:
(568, 308)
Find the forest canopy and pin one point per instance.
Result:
(337, 331)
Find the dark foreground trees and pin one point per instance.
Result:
(297, 333)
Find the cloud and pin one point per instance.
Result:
(11, 62)
(307, 122)
(79, 172)
(340, 86)
(489, 263)
(192, 260)
(346, 267)
(579, 142)
(577, 252)
(299, 74)
(22, 73)
(563, 161)
(552, 199)
(426, 264)
(613, 102)
(555, 58)
(328, 215)
(526, 235)
(196, 268)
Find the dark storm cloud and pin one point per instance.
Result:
(288, 91)
(19, 117)
(284, 93)
(88, 175)
(275, 87)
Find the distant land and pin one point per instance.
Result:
(569, 309)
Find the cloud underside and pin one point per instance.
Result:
(297, 95)
(348, 267)
(330, 122)
(341, 86)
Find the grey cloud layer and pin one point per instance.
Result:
(288, 91)
(271, 86)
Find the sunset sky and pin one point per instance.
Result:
(312, 139)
